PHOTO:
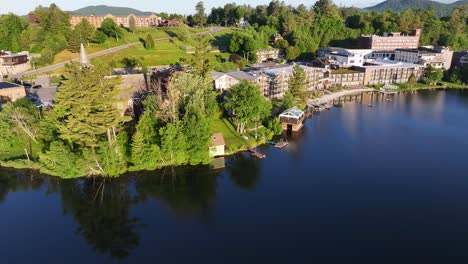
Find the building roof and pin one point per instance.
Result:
(386, 63)
(293, 112)
(241, 75)
(9, 85)
(216, 75)
(217, 140)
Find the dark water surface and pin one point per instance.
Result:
(387, 184)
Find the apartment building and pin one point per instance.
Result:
(391, 41)
(346, 78)
(387, 71)
(437, 57)
(344, 57)
(123, 21)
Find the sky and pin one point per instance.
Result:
(22, 7)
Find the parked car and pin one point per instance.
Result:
(39, 86)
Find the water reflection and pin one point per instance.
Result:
(244, 171)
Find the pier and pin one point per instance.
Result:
(256, 154)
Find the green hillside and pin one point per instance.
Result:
(441, 9)
(104, 10)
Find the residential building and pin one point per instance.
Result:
(316, 79)
(385, 71)
(10, 92)
(346, 78)
(437, 57)
(344, 57)
(268, 55)
(123, 21)
(13, 63)
(390, 41)
(217, 145)
(224, 81)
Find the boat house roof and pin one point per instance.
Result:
(217, 140)
(293, 113)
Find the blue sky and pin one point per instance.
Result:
(22, 7)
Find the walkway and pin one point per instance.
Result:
(327, 98)
(50, 68)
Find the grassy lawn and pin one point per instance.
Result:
(233, 140)
(140, 34)
(19, 153)
(422, 86)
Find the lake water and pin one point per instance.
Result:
(386, 184)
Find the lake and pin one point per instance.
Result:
(381, 184)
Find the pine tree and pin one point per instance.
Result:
(149, 42)
(86, 106)
(297, 83)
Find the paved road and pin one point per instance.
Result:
(212, 30)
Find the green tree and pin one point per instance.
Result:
(412, 80)
(23, 116)
(292, 52)
(149, 42)
(432, 75)
(11, 29)
(200, 61)
(200, 16)
(85, 106)
(246, 103)
(99, 37)
(111, 29)
(297, 83)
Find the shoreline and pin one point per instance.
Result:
(31, 165)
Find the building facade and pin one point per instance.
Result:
(346, 78)
(10, 92)
(388, 72)
(14, 63)
(267, 54)
(390, 41)
(123, 21)
(344, 57)
(437, 57)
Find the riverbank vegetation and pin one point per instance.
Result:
(85, 133)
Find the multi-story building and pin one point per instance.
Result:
(344, 57)
(460, 58)
(391, 41)
(13, 63)
(316, 79)
(346, 78)
(123, 21)
(10, 92)
(437, 57)
(268, 54)
(224, 81)
(384, 71)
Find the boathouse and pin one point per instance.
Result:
(292, 119)
(217, 145)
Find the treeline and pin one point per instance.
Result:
(307, 29)
(51, 34)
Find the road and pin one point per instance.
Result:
(46, 69)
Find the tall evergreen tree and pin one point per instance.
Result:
(297, 83)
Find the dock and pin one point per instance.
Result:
(256, 153)
(281, 144)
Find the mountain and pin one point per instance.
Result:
(104, 10)
(441, 9)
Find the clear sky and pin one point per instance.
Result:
(22, 7)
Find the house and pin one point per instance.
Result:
(13, 63)
(217, 145)
(224, 81)
(10, 92)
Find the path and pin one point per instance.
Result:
(46, 69)
(330, 97)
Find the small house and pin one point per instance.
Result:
(217, 145)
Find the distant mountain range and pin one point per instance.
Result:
(441, 9)
(100, 10)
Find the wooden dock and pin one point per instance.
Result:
(281, 144)
(256, 153)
